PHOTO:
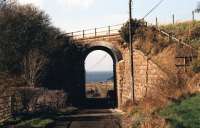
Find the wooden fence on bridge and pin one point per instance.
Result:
(96, 32)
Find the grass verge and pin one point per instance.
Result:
(185, 114)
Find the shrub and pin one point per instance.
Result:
(135, 25)
(195, 33)
(41, 100)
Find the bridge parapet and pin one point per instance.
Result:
(96, 32)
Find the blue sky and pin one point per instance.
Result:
(72, 15)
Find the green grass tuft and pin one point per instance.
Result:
(35, 123)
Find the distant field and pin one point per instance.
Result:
(99, 89)
(185, 114)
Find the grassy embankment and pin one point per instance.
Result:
(187, 31)
(177, 112)
(183, 114)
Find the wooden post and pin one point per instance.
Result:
(193, 18)
(170, 36)
(95, 32)
(156, 21)
(173, 18)
(109, 30)
(131, 50)
(185, 63)
(198, 53)
(12, 107)
(83, 33)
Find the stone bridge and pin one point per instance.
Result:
(147, 72)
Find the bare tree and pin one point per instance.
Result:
(33, 63)
(197, 10)
(2, 3)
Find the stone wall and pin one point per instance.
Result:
(147, 75)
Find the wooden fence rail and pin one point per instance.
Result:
(8, 106)
(12, 103)
(95, 32)
(5, 108)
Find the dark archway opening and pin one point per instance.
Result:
(100, 78)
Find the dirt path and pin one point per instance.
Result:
(92, 119)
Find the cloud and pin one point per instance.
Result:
(34, 2)
(77, 3)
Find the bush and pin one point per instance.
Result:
(41, 100)
(135, 25)
(195, 33)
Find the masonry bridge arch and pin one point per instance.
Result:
(116, 56)
(149, 73)
(113, 45)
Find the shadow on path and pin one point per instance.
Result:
(91, 118)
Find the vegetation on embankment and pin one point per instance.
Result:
(145, 38)
(188, 32)
(147, 112)
(183, 114)
(160, 47)
(37, 120)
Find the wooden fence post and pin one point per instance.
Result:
(156, 21)
(193, 18)
(95, 32)
(11, 104)
(83, 33)
(109, 30)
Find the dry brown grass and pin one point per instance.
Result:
(101, 88)
(8, 81)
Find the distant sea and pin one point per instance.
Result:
(98, 77)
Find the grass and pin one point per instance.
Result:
(184, 31)
(28, 122)
(35, 123)
(37, 120)
(185, 114)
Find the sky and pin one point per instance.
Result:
(73, 15)
(103, 62)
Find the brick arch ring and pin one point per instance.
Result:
(104, 46)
